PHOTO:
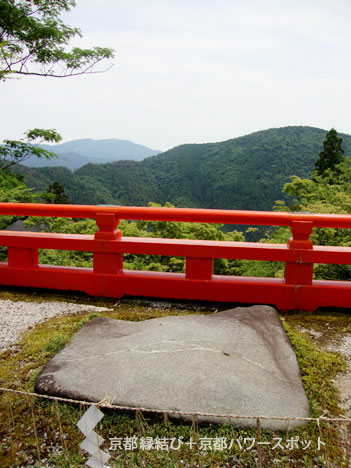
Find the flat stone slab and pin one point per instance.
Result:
(239, 362)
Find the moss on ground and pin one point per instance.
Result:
(21, 365)
(318, 369)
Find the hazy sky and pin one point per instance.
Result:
(194, 71)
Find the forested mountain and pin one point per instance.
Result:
(76, 153)
(243, 173)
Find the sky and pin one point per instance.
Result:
(195, 71)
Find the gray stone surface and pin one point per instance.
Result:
(239, 361)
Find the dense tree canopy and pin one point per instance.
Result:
(331, 155)
(321, 194)
(56, 194)
(246, 173)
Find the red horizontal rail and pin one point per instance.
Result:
(177, 247)
(176, 214)
(150, 246)
(297, 290)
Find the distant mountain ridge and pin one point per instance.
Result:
(76, 153)
(245, 173)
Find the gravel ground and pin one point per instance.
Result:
(343, 381)
(20, 316)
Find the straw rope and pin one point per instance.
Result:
(106, 404)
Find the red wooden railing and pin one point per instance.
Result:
(296, 291)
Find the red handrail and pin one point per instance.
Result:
(297, 290)
(268, 218)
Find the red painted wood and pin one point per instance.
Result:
(176, 214)
(151, 246)
(198, 268)
(22, 258)
(108, 263)
(108, 278)
(299, 272)
(107, 224)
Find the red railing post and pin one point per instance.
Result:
(108, 226)
(299, 273)
(108, 230)
(198, 268)
(22, 258)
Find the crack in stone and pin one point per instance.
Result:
(159, 351)
(188, 348)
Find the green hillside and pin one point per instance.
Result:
(243, 173)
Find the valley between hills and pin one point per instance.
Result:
(242, 173)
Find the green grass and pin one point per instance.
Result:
(20, 367)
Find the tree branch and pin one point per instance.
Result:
(46, 74)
